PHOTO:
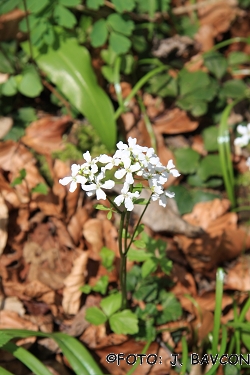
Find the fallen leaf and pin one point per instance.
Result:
(45, 134)
(71, 292)
(12, 304)
(11, 319)
(4, 215)
(238, 277)
(6, 124)
(93, 233)
(175, 121)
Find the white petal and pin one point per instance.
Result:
(163, 200)
(125, 188)
(242, 129)
(105, 159)
(135, 167)
(87, 156)
(73, 186)
(89, 187)
(248, 162)
(120, 173)
(119, 199)
(169, 194)
(81, 179)
(100, 194)
(127, 163)
(108, 184)
(90, 193)
(65, 181)
(75, 169)
(129, 178)
(174, 172)
(170, 164)
(129, 204)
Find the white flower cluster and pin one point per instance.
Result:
(244, 139)
(130, 160)
(245, 135)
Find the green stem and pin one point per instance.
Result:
(218, 305)
(147, 123)
(137, 225)
(123, 264)
(137, 87)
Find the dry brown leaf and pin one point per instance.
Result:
(175, 121)
(45, 134)
(9, 23)
(6, 124)
(76, 223)
(4, 216)
(12, 304)
(238, 277)
(222, 240)
(11, 319)
(71, 292)
(93, 233)
(154, 106)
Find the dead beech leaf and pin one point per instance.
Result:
(93, 233)
(12, 304)
(174, 121)
(6, 124)
(71, 292)
(45, 134)
(222, 241)
(4, 215)
(238, 277)
(11, 319)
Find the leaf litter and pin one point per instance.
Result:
(50, 244)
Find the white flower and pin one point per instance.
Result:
(248, 162)
(149, 158)
(74, 179)
(244, 139)
(131, 147)
(89, 163)
(128, 170)
(98, 186)
(163, 198)
(109, 161)
(126, 197)
(170, 167)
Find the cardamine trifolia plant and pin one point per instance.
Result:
(130, 161)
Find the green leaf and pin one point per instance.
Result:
(35, 6)
(109, 215)
(233, 88)
(107, 257)
(7, 6)
(94, 4)
(111, 303)
(245, 338)
(75, 78)
(101, 285)
(149, 267)
(191, 81)
(216, 63)
(199, 108)
(119, 24)
(3, 371)
(139, 243)
(38, 31)
(27, 359)
(9, 88)
(86, 289)
(101, 207)
(4, 338)
(195, 180)
(231, 369)
(40, 188)
(119, 43)
(171, 308)
(210, 136)
(166, 265)
(99, 33)
(209, 166)
(187, 160)
(124, 322)
(18, 180)
(163, 85)
(122, 6)
(69, 3)
(237, 58)
(30, 84)
(138, 255)
(49, 35)
(6, 63)
(95, 316)
(64, 17)
(139, 230)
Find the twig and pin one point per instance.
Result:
(59, 96)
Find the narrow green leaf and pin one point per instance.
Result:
(75, 78)
(101, 207)
(99, 33)
(124, 322)
(4, 338)
(3, 371)
(95, 316)
(109, 215)
(27, 358)
(111, 303)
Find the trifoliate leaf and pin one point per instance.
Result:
(95, 316)
(124, 322)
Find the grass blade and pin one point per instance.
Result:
(3, 371)
(217, 313)
(27, 359)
